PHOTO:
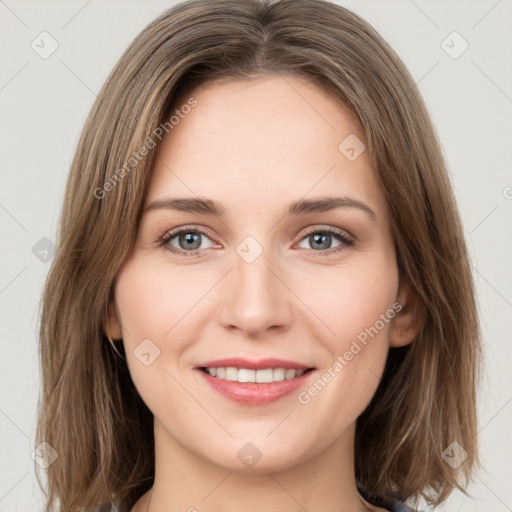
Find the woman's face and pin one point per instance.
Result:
(282, 275)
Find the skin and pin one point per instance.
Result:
(256, 147)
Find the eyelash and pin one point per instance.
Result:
(165, 239)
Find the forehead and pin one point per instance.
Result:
(276, 137)
(272, 108)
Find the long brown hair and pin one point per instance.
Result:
(89, 410)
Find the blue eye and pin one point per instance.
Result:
(189, 240)
(323, 237)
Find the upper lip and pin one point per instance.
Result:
(260, 364)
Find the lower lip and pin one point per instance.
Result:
(255, 393)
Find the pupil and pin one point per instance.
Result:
(320, 239)
(189, 238)
(317, 238)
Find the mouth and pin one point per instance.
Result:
(248, 375)
(254, 382)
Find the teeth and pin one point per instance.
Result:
(279, 373)
(289, 374)
(265, 375)
(231, 373)
(246, 375)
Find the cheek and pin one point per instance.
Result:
(162, 310)
(348, 378)
(153, 299)
(356, 309)
(351, 300)
(152, 307)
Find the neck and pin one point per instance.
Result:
(186, 481)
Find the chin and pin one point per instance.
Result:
(256, 457)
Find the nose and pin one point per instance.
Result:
(255, 297)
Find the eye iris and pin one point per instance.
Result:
(192, 240)
(189, 239)
(320, 238)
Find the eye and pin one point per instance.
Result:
(188, 239)
(322, 238)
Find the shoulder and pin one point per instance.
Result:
(113, 508)
(387, 502)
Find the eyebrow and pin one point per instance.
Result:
(301, 207)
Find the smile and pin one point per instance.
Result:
(254, 382)
(257, 376)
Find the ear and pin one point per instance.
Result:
(112, 328)
(406, 324)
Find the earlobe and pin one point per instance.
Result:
(407, 322)
(112, 326)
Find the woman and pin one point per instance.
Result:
(200, 350)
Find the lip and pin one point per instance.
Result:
(260, 364)
(255, 393)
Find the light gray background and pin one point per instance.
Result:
(44, 103)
